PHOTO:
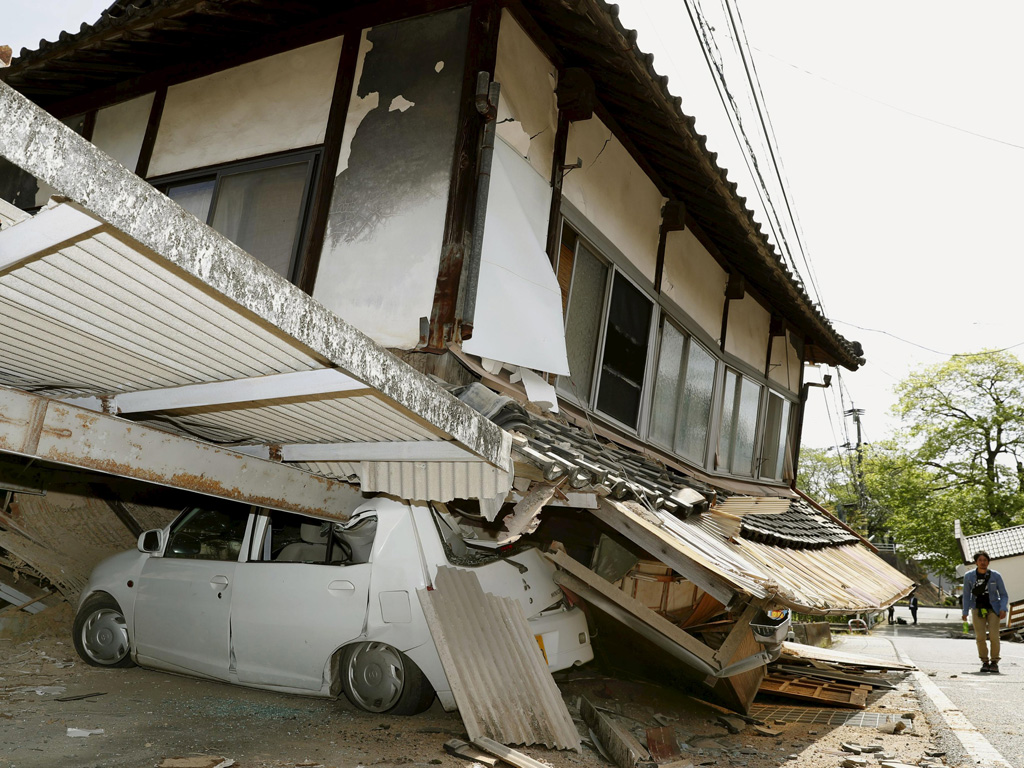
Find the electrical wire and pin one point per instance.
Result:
(917, 115)
(929, 349)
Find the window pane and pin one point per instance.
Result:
(195, 197)
(666, 385)
(209, 534)
(584, 321)
(625, 352)
(727, 434)
(746, 427)
(695, 409)
(261, 211)
(776, 433)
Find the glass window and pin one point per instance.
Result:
(583, 320)
(740, 405)
(208, 533)
(624, 360)
(261, 206)
(776, 437)
(683, 391)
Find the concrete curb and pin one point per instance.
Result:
(975, 745)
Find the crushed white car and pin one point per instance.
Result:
(290, 603)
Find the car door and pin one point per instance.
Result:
(183, 607)
(294, 603)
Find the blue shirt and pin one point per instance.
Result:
(996, 591)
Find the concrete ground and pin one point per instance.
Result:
(150, 717)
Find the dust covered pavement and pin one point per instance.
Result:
(148, 718)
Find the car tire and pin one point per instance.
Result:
(101, 633)
(379, 678)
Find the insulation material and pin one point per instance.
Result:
(614, 193)
(385, 228)
(271, 105)
(497, 671)
(746, 336)
(519, 304)
(120, 129)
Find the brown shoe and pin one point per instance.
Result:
(986, 667)
(993, 667)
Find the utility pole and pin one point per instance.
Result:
(856, 413)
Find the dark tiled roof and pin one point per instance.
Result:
(134, 38)
(564, 451)
(1003, 543)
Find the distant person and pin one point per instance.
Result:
(985, 600)
(913, 606)
(892, 613)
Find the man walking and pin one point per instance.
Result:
(985, 600)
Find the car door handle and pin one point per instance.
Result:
(341, 586)
(219, 582)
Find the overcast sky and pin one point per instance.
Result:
(899, 128)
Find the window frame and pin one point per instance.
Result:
(313, 156)
(613, 270)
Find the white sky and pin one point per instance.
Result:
(910, 225)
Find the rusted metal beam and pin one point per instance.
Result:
(49, 430)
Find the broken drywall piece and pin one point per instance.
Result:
(400, 104)
(539, 391)
(493, 367)
(82, 732)
(439, 66)
(525, 515)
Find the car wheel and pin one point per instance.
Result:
(379, 678)
(101, 633)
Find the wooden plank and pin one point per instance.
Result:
(828, 674)
(467, 751)
(662, 744)
(624, 750)
(801, 651)
(607, 590)
(737, 634)
(509, 755)
(829, 693)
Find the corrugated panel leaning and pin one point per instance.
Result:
(496, 669)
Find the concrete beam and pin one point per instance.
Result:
(43, 146)
(50, 430)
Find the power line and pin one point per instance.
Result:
(743, 48)
(929, 349)
(891, 106)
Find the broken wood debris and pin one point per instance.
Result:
(662, 744)
(466, 751)
(622, 747)
(509, 755)
(821, 692)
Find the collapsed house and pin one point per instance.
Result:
(467, 254)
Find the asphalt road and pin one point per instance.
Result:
(993, 703)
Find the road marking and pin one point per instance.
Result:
(974, 743)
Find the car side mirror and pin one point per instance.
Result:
(151, 541)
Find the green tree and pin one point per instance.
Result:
(964, 421)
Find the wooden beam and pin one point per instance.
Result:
(736, 636)
(156, 112)
(344, 81)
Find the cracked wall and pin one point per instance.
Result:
(378, 268)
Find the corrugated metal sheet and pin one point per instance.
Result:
(102, 317)
(838, 579)
(497, 672)
(1003, 543)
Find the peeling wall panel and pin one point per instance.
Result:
(614, 193)
(120, 129)
(785, 364)
(271, 105)
(382, 248)
(528, 107)
(519, 304)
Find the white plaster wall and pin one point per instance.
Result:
(527, 106)
(785, 366)
(1012, 571)
(271, 105)
(694, 280)
(747, 333)
(614, 193)
(120, 129)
